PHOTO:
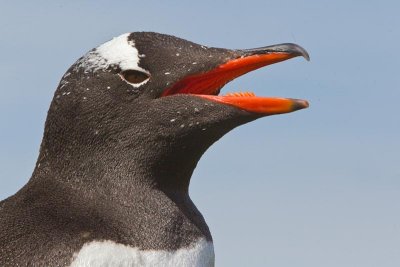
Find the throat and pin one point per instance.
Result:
(119, 169)
(125, 195)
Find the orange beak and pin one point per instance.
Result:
(207, 85)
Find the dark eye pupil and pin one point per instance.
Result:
(134, 76)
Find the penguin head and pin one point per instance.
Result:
(150, 88)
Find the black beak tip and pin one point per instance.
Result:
(294, 49)
(299, 104)
(303, 52)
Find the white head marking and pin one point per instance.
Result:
(119, 52)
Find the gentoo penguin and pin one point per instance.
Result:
(127, 125)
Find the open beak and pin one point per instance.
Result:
(208, 85)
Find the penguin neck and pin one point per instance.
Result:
(127, 179)
(119, 169)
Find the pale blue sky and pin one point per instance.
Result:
(319, 187)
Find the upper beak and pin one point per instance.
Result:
(291, 50)
(208, 84)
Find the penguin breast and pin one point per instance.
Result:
(108, 253)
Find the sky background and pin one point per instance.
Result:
(318, 187)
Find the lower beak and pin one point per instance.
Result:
(261, 105)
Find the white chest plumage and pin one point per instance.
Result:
(111, 254)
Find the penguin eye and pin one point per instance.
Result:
(134, 76)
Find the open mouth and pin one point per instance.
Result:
(208, 85)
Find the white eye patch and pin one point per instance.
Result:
(119, 52)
